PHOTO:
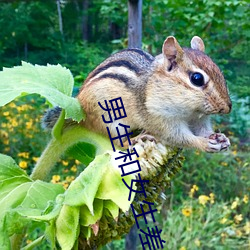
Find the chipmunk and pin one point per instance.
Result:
(170, 96)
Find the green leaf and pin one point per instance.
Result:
(86, 218)
(20, 198)
(86, 232)
(83, 189)
(53, 82)
(11, 183)
(25, 203)
(48, 215)
(4, 240)
(58, 127)
(13, 223)
(14, 198)
(39, 194)
(113, 188)
(83, 152)
(9, 168)
(7, 220)
(67, 226)
(112, 208)
(99, 180)
(50, 234)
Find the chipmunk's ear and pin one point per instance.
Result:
(171, 49)
(197, 43)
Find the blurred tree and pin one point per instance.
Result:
(30, 31)
(134, 23)
(58, 2)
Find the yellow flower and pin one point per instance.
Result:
(65, 163)
(70, 178)
(224, 164)
(223, 235)
(55, 178)
(238, 218)
(73, 168)
(12, 105)
(6, 149)
(193, 190)
(23, 164)
(14, 123)
(247, 227)
(6, 141)
(4, 134)
(235, 203)
(187, 211)
(203, 199)
(23, 107)
(211, 195)
(197, 242)
(238, 159)
(223, 220)
(24, 154)
(35, 159)
(6, 113)
(234, 152)
(245, 199)
(182, 248)
(65, 185)
(238, 233)
(77, 162)
(29, 124)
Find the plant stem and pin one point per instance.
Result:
(16, 240)
(57, 147)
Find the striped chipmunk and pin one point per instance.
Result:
(169, 97)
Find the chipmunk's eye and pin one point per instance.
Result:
(197, 79)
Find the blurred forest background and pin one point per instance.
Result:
(208, 204)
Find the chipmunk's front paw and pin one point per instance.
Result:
(218, 142)
(141, 139)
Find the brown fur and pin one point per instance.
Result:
(158, 95)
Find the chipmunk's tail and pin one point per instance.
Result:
(50, 117)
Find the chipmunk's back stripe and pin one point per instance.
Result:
(118, 63)
(118, 77)
(142, 53)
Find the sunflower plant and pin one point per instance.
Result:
(94, 208)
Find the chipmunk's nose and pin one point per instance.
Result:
(227, 108)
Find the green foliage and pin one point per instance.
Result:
(30, 32)
(238, 121)
(24, 200)
(19, 198)
(204, 223)
(52, 82)
(223, 25)
(81, 58)
(232, 166)
(83, 152)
